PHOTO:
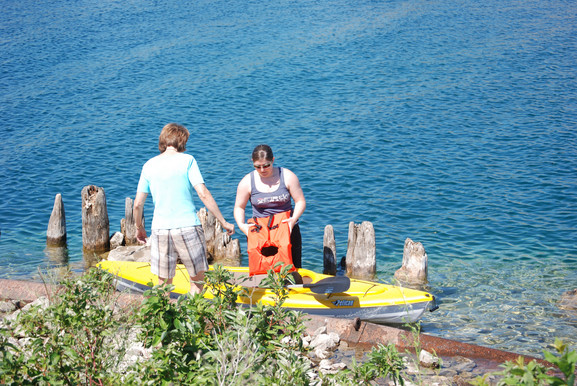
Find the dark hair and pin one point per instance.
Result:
(174, 135)
(262, 152)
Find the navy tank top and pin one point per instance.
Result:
(267, 204)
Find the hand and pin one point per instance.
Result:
(291, 221)
(228, 227)
(141, 235)
(245, 228)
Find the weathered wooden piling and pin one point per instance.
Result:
(226, 249)
(220, 247)
(95, 224)
(128, 225)
(329, 251)
(361, 251)
(56, 232)
(414, 270)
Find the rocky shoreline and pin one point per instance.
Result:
(332, 344)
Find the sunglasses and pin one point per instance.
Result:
(265, 166)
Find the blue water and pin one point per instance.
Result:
(450, 122)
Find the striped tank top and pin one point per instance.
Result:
(269, 203)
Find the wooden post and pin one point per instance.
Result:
(415, 265)
(95, 225)
(56, 232)
(128, 226)
(208, 222)
(361, 251)
(220, 247)
(329, 251)
(226, 250)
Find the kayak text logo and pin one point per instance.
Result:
(343, 303)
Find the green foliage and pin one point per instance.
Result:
(80, 339)
(519, 373)
(274, 322)
(532, 373)
(69, 342)
(382, 362)
(565, 362)
(200, 341)
(386, 361)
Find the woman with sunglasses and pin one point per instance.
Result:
(270, 190)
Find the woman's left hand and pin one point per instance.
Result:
(291, 221)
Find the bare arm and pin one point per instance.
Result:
(208, 201)
(294, 187)
(242, 197)
(137, 213)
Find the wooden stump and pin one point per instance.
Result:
(220, 247)
(226, 250)
(95, 225)
(128, 224)
(208, 222)
(56, 232)
(415, 265)
(329, 251)
(361, 251)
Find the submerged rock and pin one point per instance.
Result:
(568, 300)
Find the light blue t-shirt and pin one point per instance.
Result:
(171, 180)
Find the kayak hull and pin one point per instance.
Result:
(368, 301)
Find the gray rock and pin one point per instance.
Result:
(307, 341)
(41, 302)
(139, 253)
(7, 306)
(326, 366)
(328, 342)
(428, 360)
(320, 330)
(116, 240)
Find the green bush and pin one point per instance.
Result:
(197, 341)
(70, 341)
(81, 338)
(533, 373)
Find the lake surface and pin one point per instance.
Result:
(453, 123)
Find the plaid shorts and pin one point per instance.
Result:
(169, 245)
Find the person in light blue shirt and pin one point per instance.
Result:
(172, 178)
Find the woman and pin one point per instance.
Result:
(176, 229)
(270, 190)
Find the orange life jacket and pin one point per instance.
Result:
(269, 243)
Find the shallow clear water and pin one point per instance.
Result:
(450, 122)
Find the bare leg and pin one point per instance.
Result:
(162, 280)
(194, 287)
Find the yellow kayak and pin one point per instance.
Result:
(369, 301)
